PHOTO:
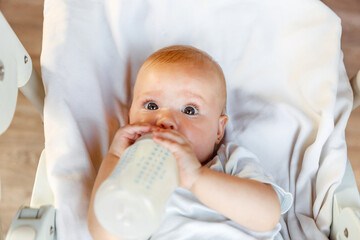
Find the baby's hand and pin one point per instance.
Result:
(188, 164)
(126, 136)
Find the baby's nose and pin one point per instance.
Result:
(166, 125)
(166, 122)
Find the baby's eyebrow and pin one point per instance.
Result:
(186, 93)
(151, 93)
(192, 95)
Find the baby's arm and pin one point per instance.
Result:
(250, 203)
(123, 138)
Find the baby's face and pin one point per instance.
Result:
(181, 97)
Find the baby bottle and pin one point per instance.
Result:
(130, 203)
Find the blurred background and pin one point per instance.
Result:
(22, 143)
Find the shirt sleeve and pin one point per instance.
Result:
(238, 161)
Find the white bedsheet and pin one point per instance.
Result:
(288, 94)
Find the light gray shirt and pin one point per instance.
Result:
(186, 218)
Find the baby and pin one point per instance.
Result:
(180, 96)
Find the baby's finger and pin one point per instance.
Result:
(170, 144)
(134, 131)
(140, 127)
(127, 135)
(172, 135)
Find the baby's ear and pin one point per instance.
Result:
(223, 119)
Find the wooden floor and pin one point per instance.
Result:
(21, 145)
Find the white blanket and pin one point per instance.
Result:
(288, 94)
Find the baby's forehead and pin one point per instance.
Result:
(206, 73)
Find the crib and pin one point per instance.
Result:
(41, 221)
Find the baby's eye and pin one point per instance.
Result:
(151, 106)
(190, 110)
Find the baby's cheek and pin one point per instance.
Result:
(202, 147)
(141, 118)
(202, 135)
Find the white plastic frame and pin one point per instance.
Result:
(16, 72)
(355, 85)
